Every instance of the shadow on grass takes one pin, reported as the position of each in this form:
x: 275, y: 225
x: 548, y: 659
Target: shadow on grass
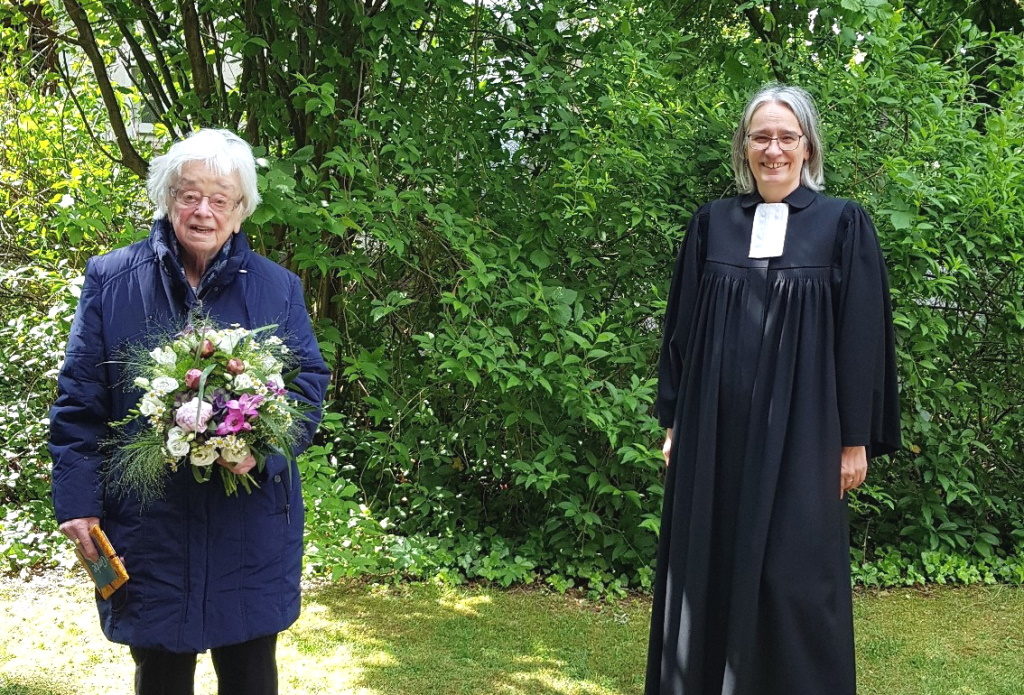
x: 32, y: 686
x: 428, y: 639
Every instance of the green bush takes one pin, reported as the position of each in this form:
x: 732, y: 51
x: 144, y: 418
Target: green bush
x: 484, y: 203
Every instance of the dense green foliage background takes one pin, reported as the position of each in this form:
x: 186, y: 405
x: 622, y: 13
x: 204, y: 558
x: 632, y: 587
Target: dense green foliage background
x: 483, y: 200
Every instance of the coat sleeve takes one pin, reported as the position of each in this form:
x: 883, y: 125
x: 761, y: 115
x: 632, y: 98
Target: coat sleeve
x: 866, y: 383
x: 310, y: 385
x: 79, y: 416
x: 682, y: 298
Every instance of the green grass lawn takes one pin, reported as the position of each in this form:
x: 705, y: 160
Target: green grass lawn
x: 422, y: 639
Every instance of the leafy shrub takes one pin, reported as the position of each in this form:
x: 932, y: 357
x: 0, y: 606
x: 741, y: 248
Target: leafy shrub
x: 483, y: 203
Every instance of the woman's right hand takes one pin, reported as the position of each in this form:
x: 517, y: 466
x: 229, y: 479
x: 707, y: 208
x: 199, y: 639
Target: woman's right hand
x: 78, y: 531
x: 240, y: 467
x: 666, y: 448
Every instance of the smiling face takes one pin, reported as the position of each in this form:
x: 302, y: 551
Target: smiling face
x: 201, y: 230
x: 776, y: 171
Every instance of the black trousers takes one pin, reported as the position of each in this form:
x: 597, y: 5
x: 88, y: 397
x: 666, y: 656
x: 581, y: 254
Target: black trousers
x: 248, y: 668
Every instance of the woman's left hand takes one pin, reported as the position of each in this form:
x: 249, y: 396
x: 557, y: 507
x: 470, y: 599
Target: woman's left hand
x: 240, y: 468
x: 854, y: 468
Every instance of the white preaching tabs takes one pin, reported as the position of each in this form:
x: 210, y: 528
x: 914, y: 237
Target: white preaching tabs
x: 768, y: 236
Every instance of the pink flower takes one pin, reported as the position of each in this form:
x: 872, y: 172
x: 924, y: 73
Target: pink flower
x: 192, y: 378
x: 240, y: 412
x: 233, y: 423
x: 249, y: 402
x: 236, y: 366
x: 193, y: 416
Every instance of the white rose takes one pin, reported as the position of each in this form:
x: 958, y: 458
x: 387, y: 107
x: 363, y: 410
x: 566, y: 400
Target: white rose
x: 164, y: 385
x: 176, y: 434
x: 177, y: 447
x: 141, y: 382
x: 203, y: 456
x: 151, y: 404
x: 164, y: 356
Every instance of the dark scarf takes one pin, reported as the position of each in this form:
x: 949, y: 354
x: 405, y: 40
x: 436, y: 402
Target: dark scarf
x: 219, y: 272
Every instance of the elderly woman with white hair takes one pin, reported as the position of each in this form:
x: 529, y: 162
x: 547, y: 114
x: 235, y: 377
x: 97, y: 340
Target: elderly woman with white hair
x: 777, y: 382
x: 208, y: 571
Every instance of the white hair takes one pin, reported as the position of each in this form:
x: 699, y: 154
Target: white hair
x: 221, y: 151
x: 812, y: 173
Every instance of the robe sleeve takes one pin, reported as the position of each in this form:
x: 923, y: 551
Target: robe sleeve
x: 682, y: 299
x: 78, y: 418
x: 865, y: 353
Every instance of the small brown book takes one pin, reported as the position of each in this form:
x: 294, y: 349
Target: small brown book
x: 108, y: 571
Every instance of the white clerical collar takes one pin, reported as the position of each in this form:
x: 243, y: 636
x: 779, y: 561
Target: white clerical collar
x: 768, y: 235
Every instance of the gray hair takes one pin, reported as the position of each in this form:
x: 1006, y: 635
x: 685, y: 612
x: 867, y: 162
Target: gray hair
x: 221, y: 151
x: 812, y: 173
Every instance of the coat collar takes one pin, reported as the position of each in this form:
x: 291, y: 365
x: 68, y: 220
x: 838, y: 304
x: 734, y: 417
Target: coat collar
x: 221, y: 270
x: 799, y: 199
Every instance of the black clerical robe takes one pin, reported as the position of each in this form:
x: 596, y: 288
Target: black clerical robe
x: 768, y: 368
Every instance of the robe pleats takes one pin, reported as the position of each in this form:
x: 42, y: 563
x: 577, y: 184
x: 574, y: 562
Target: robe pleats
x: 768, y: 368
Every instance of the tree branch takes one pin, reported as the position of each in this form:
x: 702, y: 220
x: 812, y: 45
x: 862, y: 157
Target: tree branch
x: 769, y: 41
x: 43, y: 27
x: 249, y: 69
x: 196, y: 56
x: 149, y: 25
x: 130, y: 157
x: 219, y: 88
x: 160, y: 102
x: 85, y: 119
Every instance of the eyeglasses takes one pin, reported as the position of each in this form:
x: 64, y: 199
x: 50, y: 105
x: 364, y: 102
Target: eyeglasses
x: 787, y: 141
x: 192, y: 199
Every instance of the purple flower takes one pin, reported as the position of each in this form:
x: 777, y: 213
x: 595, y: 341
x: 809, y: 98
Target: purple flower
x: 220, y: 400
x: 249, y: 402
x: 240, y: 412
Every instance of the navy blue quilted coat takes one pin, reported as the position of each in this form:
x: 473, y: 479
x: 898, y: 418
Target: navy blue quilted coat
x: 206, y: 570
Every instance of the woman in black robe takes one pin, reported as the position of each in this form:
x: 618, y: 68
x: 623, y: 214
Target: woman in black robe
x: 777, y: 382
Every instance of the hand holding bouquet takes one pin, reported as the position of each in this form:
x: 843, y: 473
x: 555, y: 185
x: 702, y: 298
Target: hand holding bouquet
x: 212, y: 395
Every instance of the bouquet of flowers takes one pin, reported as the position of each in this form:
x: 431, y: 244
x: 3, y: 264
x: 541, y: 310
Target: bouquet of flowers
x: 211, y: 395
